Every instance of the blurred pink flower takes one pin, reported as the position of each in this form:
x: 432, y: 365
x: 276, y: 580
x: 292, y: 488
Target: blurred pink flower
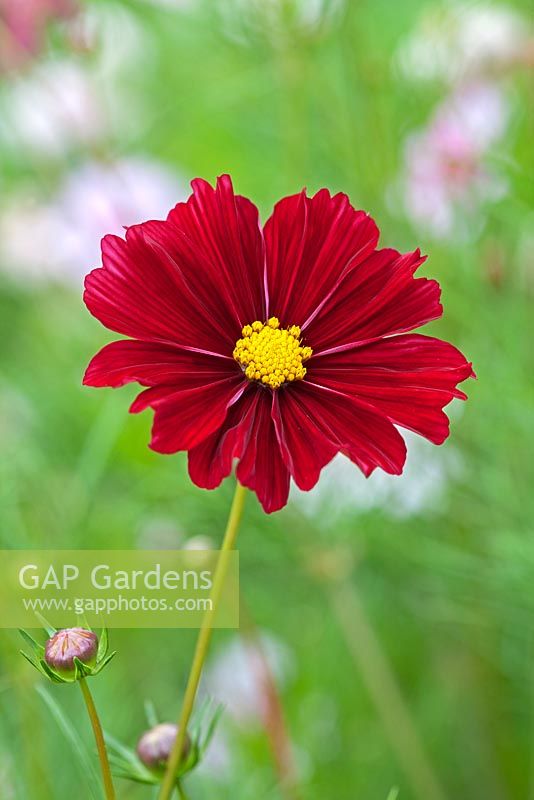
x: 23, y: 25
x: 95, y: 199
x: 446, y: 179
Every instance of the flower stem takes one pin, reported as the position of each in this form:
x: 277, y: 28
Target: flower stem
x: 380, y: 681
x: 181, y: 791
x: 99, y: 738
x: 203, y: 641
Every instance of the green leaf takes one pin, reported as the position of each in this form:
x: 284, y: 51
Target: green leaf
x: 100, y: 666
x: 51, y: 631
x: 190, y: 762
x: 81, y: 670
x: 92, y: 779
x: 118, y: 747
x: 81, y: 621
x: 125, y: 760
x: 36, y: 647
x: 149, y: 778
x: 199, y: 717
x: 210, y: 730
x: 32, y: 661
x: 50, y: 674
x: 151, y: 714
x: 103, y: 644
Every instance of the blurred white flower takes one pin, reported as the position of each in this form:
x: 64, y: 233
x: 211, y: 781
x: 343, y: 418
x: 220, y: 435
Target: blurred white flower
x: 235, y: 676
x: 218, y: 760
x: 461, y: 40
x: 344, y: 490
x: 95, y: 199
x: 74, y: 102
x: 172, y: 4
x: 277, y: 20
x: 114, y: 35
x: 50, y: 109
x: 199, y: 542
x: 160, y: 533
x: 446, y: 178
x: 28, y: 257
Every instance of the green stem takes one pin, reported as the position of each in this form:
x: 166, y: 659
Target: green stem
x: 203, y: 641
x: 382, y: 686
x: 181, y: 791
x: 99, y: 738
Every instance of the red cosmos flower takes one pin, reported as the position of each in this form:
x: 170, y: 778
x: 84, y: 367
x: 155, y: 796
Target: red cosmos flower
x: 277, y: 347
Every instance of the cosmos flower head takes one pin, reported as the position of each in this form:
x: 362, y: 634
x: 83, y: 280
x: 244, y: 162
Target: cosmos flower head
x: 278, y: 346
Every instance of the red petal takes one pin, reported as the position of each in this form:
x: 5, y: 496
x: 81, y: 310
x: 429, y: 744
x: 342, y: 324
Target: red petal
x: 193, y: 280
x: 311, y: 243
x: 184, y: 418
x: 407, y: 378
x: 139, y: 292
x: 223, y: 231
x: 379, y: 298
x: 305, y: 448
x: 261, y: 467
x: 354, y: 427
x: 152, y: 363
x: 211, y: 461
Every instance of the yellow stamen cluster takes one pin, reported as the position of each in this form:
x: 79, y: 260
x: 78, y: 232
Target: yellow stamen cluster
x: 270, y: 354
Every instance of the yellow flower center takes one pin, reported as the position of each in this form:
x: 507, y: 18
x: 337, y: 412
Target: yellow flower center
x: 270, y: 354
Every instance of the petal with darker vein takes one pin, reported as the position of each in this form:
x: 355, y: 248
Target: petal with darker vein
x: 140, y: 293
x: 184, y: 418
x: 311, y: 243
x: 211, y: 461
x: 407, y: 378
x: 261, y: 467
x: 367, y: 437
x: 153, y: 363
x: 379, y: 298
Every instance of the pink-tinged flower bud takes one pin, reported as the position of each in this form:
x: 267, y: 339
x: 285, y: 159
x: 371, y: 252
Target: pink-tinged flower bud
x: 66, y: 645
x: 154, y: 746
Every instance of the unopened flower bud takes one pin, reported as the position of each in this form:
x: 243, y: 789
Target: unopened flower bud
x: 68, y: 644
x: 154, y: 746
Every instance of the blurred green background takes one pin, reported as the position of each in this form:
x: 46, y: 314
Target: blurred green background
x: 425, y: 582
